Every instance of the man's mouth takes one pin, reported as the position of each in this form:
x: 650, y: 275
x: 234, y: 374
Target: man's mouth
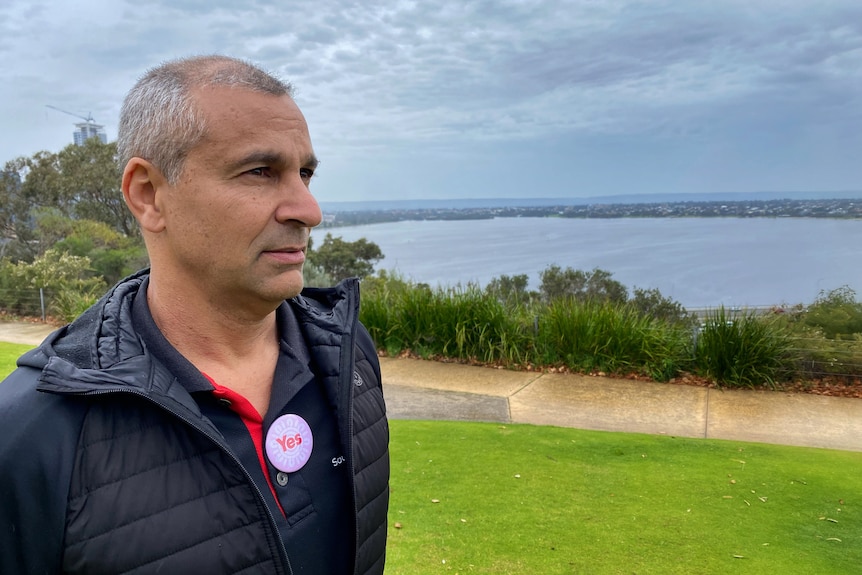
x: 287, y: 255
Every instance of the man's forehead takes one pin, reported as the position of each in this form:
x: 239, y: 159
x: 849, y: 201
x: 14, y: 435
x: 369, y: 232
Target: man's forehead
x: 230, y: 113
x: 220, y: 98
x: 239, y: 133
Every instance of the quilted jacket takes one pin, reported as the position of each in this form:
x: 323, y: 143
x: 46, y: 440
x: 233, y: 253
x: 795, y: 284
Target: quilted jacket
x: 108, y: 466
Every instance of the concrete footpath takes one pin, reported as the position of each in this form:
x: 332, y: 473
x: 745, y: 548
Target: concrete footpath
x: 417, y: 389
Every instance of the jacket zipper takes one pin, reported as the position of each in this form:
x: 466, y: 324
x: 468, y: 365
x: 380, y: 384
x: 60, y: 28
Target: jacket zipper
x: 347, y: 373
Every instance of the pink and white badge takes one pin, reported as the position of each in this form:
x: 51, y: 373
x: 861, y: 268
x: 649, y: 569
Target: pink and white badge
x: 289, y: 443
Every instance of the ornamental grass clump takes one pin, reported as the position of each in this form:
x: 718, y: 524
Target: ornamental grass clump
x: 603, y: 336
x: 459, y: 322
x: 484, y: 328
x: 398, y: 314
x: 743, y: 350
x: 380, y: 310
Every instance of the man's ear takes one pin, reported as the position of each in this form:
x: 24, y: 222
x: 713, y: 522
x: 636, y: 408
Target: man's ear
x: 143, y: 186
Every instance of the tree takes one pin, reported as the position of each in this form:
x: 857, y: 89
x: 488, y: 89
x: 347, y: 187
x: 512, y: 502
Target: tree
x: 340, y: 259
x: 112, y: 254
x: 21, y: 196
x: 67, y: 280
x: 595, y: 285
x: 314, y: 276
x: 509, y: 289
x: 80, y: 181
x: 88, y: 184
x: 652, y: 303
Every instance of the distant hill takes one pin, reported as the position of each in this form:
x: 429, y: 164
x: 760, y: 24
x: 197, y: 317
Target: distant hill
x: 473, y: 203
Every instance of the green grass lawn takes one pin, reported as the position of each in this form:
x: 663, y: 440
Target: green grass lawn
x: 491, y: 498
x: 520, y: 499
x: 9, y: 353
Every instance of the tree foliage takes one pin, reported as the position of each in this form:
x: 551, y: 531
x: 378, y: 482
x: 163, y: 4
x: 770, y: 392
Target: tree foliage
x: 89, y: 177
x: 652, y: 303
x: 596, y: 285
x: 68, y: 282
x: 20, y: 198
x: 54, y: 270
x: 314, y: 276
x: 836, y: 313
x: 339, y: 259
x: 76, y: 183
x: 510, y: 289
x: 112, y: 254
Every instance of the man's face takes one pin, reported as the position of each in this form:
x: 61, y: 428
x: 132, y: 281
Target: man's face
x: 237, y: 221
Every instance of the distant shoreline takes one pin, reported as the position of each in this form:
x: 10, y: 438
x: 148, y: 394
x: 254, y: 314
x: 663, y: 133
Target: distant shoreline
x: 845, y: 208
x: 700, y: 262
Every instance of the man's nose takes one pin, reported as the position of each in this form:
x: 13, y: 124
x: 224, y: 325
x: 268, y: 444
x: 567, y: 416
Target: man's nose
x: 299, y: 204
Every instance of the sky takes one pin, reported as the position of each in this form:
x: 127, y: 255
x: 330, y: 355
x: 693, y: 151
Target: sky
x: 484, y: 99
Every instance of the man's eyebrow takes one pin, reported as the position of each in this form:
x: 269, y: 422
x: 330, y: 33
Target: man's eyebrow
x: 311, y: 162
x: 264, y: 158
x: 257, y: 159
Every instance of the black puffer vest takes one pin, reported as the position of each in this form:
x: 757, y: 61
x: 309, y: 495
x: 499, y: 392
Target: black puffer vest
x: 150, y: 485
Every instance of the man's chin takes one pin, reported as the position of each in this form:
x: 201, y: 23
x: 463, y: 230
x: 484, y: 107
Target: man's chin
x: 290, y: 284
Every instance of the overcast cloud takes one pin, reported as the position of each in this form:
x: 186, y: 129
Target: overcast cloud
x: 504, y: 98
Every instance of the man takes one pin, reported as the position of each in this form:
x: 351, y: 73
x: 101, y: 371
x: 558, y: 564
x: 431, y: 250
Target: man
x: 203, y: 416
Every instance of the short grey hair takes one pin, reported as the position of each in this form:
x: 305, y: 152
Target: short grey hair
x: 160, y: 121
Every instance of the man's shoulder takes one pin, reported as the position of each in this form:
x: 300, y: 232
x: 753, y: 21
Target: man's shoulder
x: 37, y: 427
x: 19, y: 388
x: 21, y: 399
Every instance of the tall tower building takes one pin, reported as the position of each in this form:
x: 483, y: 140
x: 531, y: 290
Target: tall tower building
x: 86, y: 130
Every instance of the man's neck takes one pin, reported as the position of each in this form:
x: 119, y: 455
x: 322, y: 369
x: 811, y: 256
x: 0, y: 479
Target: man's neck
x: 237, y: 352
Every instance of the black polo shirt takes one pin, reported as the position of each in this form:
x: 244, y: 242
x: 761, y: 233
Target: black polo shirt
x: 312, y: 506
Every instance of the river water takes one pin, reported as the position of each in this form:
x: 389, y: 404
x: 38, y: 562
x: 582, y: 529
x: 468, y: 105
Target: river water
x: 699, y: 262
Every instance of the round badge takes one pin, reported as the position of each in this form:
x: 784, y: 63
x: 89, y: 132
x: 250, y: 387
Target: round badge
x: 289, y: 442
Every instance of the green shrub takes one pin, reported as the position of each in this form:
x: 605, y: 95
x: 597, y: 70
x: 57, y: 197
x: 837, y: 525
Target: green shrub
x: 486, y: 329
x: 381, y: 310
x: 836, y: 313
x: 314, y: 276
x: 595, y: 334
x: 602, y: 336
x: 819, y: 356
x: 510, y: 290
x: 744, y: 350
x: 460, y: 322
x: 651, y: 302
x: 17, y: 295
x: 64, y: 280
x: 70, y: 303
x: 598, y: 284
x: 340, y: 259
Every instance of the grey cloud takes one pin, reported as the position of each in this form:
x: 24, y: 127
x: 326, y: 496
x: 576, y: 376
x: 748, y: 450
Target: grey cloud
x: 400, y: 74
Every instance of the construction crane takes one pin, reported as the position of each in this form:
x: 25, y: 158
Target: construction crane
x: 86, y: 129
x: 89, y: 118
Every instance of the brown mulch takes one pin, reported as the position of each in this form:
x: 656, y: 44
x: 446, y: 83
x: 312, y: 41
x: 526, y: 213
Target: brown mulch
x: 834, y: 386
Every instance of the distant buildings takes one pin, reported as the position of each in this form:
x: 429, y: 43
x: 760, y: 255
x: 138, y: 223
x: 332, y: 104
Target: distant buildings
x: 822, y: 208
x: 86, y: 130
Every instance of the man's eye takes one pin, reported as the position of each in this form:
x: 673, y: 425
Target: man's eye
x: 306, y: 173
x: 262, y: 171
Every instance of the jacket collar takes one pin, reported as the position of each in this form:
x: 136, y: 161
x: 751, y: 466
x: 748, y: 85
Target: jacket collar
x: 100, y: 352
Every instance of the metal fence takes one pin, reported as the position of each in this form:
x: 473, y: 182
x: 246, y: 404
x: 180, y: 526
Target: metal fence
x: 33, y: 303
